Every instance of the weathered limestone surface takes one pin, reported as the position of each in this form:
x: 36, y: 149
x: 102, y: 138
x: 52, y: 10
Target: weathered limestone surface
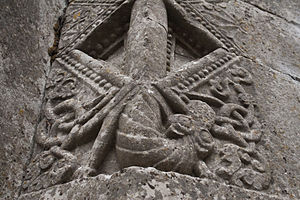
x: 288, y: 11
x: 26, y: 34
x: 146, y: 183
x: 281, y: 142
x: 280, y: 104
x: 267, y: 31
x: 273, y: 39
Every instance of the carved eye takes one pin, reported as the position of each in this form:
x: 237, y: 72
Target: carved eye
x: 180, y: 125
x: 241, y: 73
x: 219, y: 87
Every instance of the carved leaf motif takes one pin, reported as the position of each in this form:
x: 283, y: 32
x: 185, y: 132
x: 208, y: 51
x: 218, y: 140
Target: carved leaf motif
x: 236, y: 120
x: 153, y: 122
x: 49, y: 168
x: 243, y: 167
x: 60, y: 109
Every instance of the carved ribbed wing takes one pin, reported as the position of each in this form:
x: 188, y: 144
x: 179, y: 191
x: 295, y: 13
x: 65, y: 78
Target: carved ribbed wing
x: 196, y: 73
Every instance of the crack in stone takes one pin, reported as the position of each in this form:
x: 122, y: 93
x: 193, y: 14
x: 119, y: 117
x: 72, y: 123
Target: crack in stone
x: 149, y: 18
x: 158, y: 24
x: 53, y: 51
x: 294, y: 77
x: 43, y: 93
x: 272, y: 13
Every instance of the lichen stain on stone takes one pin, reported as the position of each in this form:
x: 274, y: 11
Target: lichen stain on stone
x: 75, y: 16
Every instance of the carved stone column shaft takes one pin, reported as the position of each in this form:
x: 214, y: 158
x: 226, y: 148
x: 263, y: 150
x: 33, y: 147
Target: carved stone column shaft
x: 147, y: 40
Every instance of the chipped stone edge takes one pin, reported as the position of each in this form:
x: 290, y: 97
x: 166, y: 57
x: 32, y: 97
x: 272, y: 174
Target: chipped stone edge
x: 110, y: 179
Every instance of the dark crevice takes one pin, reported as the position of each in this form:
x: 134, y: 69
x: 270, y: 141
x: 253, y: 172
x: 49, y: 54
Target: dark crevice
x: 52, y: 51
x: 271, y: 13
x: 107, y: 37
x: 295, y: 78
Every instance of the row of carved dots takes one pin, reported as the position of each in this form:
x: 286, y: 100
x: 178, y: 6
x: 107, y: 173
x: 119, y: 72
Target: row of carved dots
x: 204, y: 72
x: 98, y: 22
x: 209, y: 27
x: 98, y: 80
x: 169, y: 49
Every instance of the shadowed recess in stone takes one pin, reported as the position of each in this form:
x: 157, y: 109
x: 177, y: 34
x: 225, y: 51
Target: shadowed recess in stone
x: 109, y: 35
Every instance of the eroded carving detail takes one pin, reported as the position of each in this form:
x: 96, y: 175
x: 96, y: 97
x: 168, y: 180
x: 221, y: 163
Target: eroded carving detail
x: 84, y: 16
x: 215, y: 12
x: 200, y: 119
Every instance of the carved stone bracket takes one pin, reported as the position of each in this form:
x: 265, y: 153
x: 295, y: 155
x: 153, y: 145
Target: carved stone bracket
x: 151, y: 84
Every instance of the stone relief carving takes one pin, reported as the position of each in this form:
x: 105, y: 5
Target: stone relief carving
x: 128, y: 95
x: 84, y: 16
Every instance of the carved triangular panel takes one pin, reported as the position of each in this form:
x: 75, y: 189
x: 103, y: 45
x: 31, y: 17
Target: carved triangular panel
x: 83, y: 16
x: 109, y: 36
x: 152, y: 84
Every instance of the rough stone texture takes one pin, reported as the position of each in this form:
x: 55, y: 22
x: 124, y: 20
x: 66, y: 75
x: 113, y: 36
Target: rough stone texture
x: 261, y: 34
x: 175, y: 120
x: 282, y: 120
x: 268, y: 32
x: 146, y: 183
x: 281, y: 143
x: 26, y: 34
x: 288, y: 11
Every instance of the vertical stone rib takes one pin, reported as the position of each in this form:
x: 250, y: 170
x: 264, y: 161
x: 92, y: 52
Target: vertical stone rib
x: 147, y: 40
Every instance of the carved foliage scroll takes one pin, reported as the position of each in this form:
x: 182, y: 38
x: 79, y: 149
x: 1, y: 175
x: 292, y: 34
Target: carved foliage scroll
x: 199, y: 118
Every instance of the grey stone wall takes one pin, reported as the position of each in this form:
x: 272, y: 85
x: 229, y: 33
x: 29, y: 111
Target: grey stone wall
x: 26, y: 34
x: 267, y: 31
